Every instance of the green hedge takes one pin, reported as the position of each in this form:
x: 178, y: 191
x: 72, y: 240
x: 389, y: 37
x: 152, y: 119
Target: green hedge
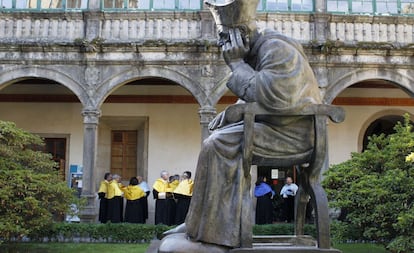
x: 133, y: 233
x: 91, y: 232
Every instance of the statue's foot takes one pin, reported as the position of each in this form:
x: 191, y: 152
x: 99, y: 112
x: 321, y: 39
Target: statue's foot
x: 178, y: 229
x: 180, y: 243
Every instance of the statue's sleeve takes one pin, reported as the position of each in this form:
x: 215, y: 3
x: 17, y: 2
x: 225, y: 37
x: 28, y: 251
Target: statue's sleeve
x: 243, y: 82
x: 282, y: 78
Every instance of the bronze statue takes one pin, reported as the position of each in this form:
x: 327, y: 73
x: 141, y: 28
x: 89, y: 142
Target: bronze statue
x: 272, y: 71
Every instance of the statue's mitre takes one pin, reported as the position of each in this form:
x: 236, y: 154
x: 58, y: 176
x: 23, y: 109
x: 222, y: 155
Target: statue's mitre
x: 234, y: 12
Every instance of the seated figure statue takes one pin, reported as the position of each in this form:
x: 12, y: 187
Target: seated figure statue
x: 267, y: 68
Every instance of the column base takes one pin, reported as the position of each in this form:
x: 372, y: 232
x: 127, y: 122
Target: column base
x: 88, y: 213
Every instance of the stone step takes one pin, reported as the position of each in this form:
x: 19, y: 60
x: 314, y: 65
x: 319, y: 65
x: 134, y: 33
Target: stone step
x: 274, y: 244
x: 287, y: 249
x: 302, y: 240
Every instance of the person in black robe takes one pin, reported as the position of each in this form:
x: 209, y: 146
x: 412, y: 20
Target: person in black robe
x: 115, y: 200
x: 183, y: 194
x: 103, y: 198
x: 264, y: 207
x: 161, y: 193
x: 134, y: 195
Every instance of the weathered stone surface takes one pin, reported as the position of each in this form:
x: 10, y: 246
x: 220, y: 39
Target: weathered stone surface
x: 180, y: 243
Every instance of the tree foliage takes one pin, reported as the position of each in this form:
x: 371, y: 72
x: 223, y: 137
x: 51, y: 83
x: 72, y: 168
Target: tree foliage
x: 32, y: 193
x: 376, y: 189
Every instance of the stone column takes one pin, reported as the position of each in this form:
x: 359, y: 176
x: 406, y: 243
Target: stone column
x: 321, y: 23
x: 90, y: 143
x: 207, y: 113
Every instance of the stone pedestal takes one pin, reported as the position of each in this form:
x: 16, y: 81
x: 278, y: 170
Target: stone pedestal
x: 179, y: 243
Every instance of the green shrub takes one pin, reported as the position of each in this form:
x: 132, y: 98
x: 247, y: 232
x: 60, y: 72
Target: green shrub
x: 32, y: 193
x: 375, y: 189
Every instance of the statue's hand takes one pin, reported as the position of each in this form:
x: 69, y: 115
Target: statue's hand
x: 216, y: 122
x: 232, y: 114
x: 236, y: 49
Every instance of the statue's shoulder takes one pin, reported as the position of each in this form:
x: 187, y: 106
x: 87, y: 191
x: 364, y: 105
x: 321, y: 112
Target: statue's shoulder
x: 272, y: 39
x: 272, y: 35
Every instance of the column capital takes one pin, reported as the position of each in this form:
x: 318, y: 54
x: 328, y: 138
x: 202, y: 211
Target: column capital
x: 207, y: 113
x: 91, y: 115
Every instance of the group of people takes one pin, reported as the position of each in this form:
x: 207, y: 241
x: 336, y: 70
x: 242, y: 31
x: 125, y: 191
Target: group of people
x: 172, y: 196
x: 265, y: 194
x: 112, y: 193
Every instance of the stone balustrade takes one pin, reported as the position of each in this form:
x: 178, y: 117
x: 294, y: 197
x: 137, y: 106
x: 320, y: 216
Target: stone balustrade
x: 138, y: 27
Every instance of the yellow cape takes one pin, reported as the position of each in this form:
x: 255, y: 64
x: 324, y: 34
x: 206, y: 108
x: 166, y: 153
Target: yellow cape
x: 185, y: 187
x: 113, y: 189
x: 133, y: 192
x: 160, y: 185
x: 103, y: 187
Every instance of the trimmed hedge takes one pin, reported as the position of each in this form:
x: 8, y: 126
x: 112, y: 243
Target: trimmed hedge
x: 92, y: 232
x: 134, y: 233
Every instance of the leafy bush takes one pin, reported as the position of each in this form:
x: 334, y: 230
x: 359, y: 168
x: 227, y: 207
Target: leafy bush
x: 404, y: 242
x: 375, y: 189
x: 32, y: 193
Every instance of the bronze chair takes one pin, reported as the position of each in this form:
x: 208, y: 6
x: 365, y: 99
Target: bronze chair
x: 312, y: 163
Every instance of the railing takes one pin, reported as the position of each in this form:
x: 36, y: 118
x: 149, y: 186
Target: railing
x: 139, y: 27
x: 369, y: 7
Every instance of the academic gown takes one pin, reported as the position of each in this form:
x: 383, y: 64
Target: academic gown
x: 133, y: 209
x: 103, y: 201
x: 162, y: 212
x: 183, y: 194
x: 115, y: 203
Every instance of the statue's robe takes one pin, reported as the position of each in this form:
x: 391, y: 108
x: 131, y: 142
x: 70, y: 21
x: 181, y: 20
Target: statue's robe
x: 276, y: 75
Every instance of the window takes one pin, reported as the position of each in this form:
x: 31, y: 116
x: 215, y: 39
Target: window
x: 302, y: 5
x: 276, y: 5
x: 57, y: 148
x: 338, y: 6
x: 387, y: 6
x: 376, y: 7
x: 189, y: 5
x: 164, y: 4
x: 407, y: 7
x: 285, y: 5
x: 124, y: 153
x: 44, y: 4
x: 111, y: 4
x: 362, y: 6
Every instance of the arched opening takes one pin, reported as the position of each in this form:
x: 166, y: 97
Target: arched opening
x: 366, y: 101
x: 36, y: 104
x: 147, y: 125
x: 384, y: 125
x: 51, y: 110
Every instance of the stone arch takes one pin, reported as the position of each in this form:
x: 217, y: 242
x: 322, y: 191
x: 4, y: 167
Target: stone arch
x: 21, y: 72
x: 190, y: 84
x: 220, y: 90
x: 402, y: 80
x: 375, y: 116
